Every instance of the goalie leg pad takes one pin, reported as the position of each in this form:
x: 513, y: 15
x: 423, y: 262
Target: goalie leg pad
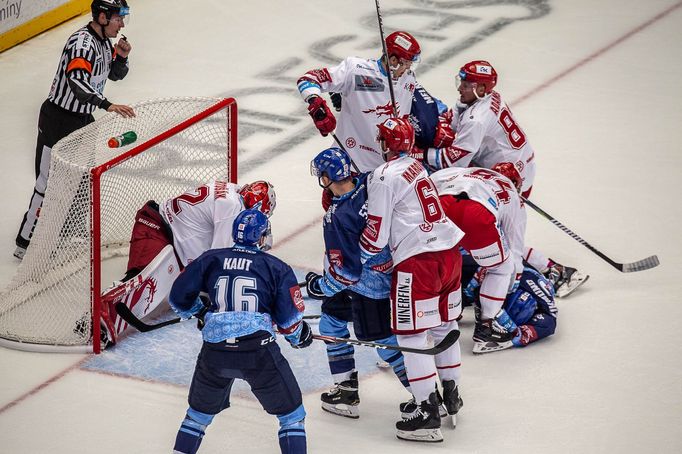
x: 150, y: 235
x: 144, y: 292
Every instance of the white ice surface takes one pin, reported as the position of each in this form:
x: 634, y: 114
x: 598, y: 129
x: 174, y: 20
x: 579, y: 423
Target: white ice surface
x: 607, y: 138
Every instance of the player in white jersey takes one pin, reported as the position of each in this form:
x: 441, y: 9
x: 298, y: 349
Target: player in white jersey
x: 487, y: 134
x: 167, y: 237
x: 197, y: 220
x: 404, y: 212
x: 486, y: 206
x: 363, y: 84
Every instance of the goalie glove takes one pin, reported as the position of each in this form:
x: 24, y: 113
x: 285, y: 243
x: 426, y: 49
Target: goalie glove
x: 444, y: 136
x: 323, y: 118
x: 312, y: 286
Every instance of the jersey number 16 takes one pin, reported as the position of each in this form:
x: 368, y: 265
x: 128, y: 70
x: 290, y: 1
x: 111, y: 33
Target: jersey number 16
x: 237, y: 296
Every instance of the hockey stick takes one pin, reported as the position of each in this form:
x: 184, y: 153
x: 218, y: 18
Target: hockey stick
x: 130, y: 318
x: 388, y: 68
x: 447, y: 342
x: 640, y: 265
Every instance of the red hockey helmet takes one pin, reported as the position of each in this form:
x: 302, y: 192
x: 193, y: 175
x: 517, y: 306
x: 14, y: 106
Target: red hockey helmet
x: 403, y: 45
x: 259, y: 195
x: 508, y: 170
x: 479, y: 72
x: 397, y: 134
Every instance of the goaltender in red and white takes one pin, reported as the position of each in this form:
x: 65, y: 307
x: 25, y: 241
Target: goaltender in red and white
x: 404, y: 212
x: 167, y: 236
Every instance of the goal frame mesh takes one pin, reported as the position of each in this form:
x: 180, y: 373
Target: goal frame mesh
x: 96, y: 173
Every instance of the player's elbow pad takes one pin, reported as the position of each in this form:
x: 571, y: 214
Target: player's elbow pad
x: 185, y: 312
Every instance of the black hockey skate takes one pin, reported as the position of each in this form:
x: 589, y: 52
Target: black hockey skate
x: 452, y: 401
x: 409, y: 407
x: 424, y: 424
x: 494, y: 334
x: 343, y: 399
x: 565, y: 279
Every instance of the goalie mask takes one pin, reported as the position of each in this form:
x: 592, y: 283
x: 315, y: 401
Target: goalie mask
x: 478, y: 72
x: 332, y: 162
x: 396, y: 135
x: 250, y: 227
x: 259, y: 195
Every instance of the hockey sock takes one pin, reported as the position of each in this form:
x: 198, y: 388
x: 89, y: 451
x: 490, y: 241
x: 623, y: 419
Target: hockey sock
x: 421, y: 369
x: 448, y: 363
x: 537, y: 259
x: 191, y: 432
x: 292, y: 438
x: 494, y: 289
x: 395, y: 359
x: 341, y: 357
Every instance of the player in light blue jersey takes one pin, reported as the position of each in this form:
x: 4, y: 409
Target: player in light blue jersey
x: 350, y: 292
x: 249, y: 291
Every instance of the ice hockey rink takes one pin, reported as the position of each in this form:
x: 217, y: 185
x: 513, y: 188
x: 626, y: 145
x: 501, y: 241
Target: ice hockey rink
x: 597, y: 87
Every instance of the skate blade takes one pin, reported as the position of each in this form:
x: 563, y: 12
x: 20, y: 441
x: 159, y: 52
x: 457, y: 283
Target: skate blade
x: 487, y: 347
x: 576, y: 281
x: 423, y: 435
x: 348, y: 411
x: 453, y: 421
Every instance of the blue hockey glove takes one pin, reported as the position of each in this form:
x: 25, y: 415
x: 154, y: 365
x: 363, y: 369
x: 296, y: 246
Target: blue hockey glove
x: 312, y: 286
x: 306, y: 336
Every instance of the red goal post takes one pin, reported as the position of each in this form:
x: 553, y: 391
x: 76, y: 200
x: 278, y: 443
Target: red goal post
x: 93, y: 194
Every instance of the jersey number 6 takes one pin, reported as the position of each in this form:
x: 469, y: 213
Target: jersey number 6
x: 428, y: 200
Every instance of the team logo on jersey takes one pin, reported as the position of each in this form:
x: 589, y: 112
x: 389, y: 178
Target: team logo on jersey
x: 384, y: 110
x: 373, y: 227
x: 297, y: 298
x: 350, y: 142
x: 454, y: 154
x: 320, y: 75
x: 368, y: 83
x: 336, y: 258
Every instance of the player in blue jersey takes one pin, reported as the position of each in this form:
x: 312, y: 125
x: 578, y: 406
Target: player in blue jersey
x: 531, y: 306
x: 350, y: 291
x: 249, y: 291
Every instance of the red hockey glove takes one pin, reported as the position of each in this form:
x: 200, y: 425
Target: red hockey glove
x: 322, y: 116
x: 444, y: 134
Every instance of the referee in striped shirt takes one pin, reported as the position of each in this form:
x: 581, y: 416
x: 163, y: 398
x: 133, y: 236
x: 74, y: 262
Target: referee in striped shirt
x: 87, y: 61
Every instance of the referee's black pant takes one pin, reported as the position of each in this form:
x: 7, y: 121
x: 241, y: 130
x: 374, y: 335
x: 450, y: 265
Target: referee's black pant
x: 54, y: 123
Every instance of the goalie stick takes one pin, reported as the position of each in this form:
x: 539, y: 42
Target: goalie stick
x: 130, y: 318
x: 640, y: 265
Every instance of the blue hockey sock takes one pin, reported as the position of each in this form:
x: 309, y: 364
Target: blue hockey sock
x: 395, y: 359
x: 191, y: 432
x: 292, y: 439
x: 341, y: 357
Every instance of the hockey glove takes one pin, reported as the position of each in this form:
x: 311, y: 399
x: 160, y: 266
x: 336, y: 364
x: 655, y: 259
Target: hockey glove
x: 444, y: 134
x: 323, y: 118
x: 202, y: 312
x: 312, y: 286
x: 336, y: 100
x: 306, y: 337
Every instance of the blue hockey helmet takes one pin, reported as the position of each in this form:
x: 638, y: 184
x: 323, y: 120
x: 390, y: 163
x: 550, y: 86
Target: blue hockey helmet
x: 249, y: 227
x: 333, y: 162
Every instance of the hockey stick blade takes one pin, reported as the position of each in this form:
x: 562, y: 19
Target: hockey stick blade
x: 447, y: 342
x: 132, y: 320
x: 640, y: 265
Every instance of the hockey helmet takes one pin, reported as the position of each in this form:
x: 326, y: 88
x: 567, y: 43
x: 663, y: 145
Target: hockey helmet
x: 508, y: 170
x: 478, y: 72
x: 397, y: 135
x: 109, y: 7
x: 333, y: 162
x: 249, y: 227
x: 259, y: 195
x: 404, y: 46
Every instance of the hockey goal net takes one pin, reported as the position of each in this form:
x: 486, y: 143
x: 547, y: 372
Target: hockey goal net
x: 93, y: 194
